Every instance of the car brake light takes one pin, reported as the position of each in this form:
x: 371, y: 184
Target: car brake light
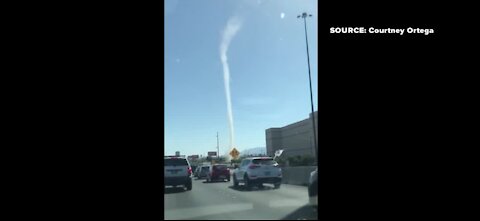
x: 189, y: 171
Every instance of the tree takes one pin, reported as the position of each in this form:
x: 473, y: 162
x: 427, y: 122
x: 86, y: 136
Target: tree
x: 281, y: 161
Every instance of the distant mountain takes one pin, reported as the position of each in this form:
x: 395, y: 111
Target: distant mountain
x: 254, y: 151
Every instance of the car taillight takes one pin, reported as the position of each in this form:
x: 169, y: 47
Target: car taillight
x: 189, y: 171
x: 253, y: 166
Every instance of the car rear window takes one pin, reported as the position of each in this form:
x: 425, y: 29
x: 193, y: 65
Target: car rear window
x: 175, y: 162
x: 264, y: 161
x: 220, y: 167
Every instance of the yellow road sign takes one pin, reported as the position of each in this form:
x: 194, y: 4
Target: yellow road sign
x: 234, y: 153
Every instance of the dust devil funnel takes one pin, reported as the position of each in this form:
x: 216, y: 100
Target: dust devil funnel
x: 233, y: 25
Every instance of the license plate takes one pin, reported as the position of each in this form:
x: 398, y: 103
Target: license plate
x: 267, y: 173
x: 173, y: 171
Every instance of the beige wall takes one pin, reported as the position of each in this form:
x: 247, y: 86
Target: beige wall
x: 295, y: 139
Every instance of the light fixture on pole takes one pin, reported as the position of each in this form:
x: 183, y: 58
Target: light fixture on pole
x: 304, y: 16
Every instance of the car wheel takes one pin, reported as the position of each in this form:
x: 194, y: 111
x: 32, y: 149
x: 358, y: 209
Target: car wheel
x: 235, y: 181
x: 277, y: 185
x: 189, y: 186
x: 247, y: 182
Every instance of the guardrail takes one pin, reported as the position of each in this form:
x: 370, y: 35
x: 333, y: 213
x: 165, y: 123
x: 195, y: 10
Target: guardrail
x: 297, y: 175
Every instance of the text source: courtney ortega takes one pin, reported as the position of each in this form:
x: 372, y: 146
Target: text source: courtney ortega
x: 372, y: 30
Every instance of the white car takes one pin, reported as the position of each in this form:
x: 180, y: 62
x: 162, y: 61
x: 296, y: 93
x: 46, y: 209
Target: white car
x: 177, y: 172
x: 313, y: 188
x: 256, y: 171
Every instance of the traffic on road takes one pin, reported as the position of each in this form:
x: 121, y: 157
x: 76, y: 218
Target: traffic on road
x: 218, y: 196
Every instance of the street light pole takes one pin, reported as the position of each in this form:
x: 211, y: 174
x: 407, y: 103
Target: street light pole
x: 218, y: 148
x: 304, y: 16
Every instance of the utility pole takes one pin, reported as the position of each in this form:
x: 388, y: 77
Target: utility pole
x: 218, y: 148
x: 304, y: 16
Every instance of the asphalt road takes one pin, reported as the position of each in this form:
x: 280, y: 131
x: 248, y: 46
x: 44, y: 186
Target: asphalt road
x: 221, y: 201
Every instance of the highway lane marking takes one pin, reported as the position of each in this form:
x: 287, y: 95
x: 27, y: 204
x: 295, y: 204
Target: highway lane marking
x: 189, y: 213
x: 284, y: 203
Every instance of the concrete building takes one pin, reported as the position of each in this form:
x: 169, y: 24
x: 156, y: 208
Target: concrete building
x: 295, y: 139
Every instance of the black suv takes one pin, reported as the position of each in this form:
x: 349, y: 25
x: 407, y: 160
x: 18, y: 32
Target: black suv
x: 177, y: 172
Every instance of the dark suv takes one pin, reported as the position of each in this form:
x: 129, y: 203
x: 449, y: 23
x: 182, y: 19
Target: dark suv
x: 218, y: 172
x: 177, y: 172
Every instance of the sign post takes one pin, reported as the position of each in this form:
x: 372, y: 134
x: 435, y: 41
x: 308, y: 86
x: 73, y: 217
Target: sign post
x: 278, y: 153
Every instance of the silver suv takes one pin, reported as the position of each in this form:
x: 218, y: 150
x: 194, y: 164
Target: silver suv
x: 256, y: 171
x: 177, y: 172
x: 313, y: 188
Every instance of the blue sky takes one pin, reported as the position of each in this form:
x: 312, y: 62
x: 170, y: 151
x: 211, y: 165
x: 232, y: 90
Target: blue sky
x: 268, y: 71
